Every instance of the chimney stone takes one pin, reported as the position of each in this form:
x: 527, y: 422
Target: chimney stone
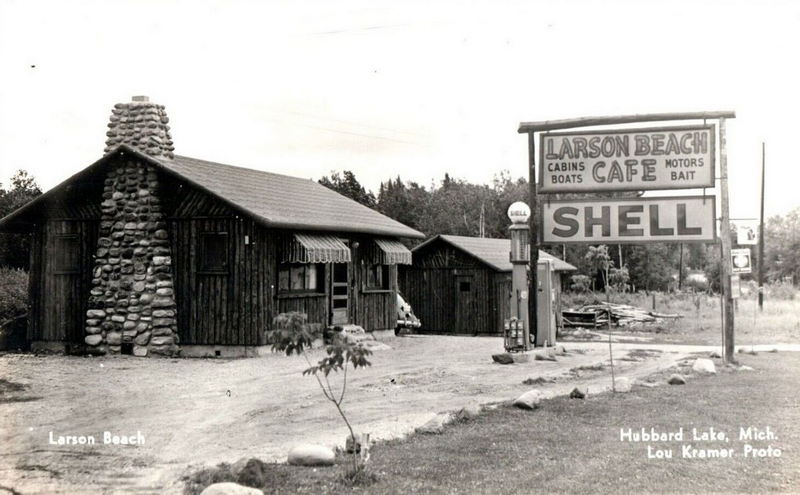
x: 142, y: 125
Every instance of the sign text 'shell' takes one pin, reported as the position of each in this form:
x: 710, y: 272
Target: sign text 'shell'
x: 597, y: 221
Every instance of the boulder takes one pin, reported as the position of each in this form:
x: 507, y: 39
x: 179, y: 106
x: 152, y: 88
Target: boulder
x: 504, y: 358
x: 93, y: 339
x: 139, y: 351
x: 545, y: 357
x: 114, y: 338
x: 528, y: 400
x: 436, y: 424
x: 744, y: 368
x: 229, y: 488
x: 676, y: 379
x: 469, y: 412
x: 311, y: 455
x: 704, y: 366
x: 714, y: 355
x: 623, y: 385
x: 579, y: 393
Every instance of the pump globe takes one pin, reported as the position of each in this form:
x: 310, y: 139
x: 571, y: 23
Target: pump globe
x: 519, y: 212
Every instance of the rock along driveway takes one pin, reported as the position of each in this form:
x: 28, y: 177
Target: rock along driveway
x: 206, y: 411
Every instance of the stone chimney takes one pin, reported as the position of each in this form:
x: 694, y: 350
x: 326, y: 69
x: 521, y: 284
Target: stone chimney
x: 141, y: 125
x: 132, y: 303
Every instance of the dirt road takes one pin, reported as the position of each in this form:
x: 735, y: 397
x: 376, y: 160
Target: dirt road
x: 206, y: 411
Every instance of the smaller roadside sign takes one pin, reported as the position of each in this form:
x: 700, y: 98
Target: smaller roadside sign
x: 746, y: 231
x: 741, y: 260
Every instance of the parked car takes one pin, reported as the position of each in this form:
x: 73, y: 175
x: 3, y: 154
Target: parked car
x: 407, y: 321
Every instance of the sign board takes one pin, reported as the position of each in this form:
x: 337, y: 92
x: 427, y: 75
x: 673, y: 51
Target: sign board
x: 627, y: 160
x: 626, y: 221
x: 746, y: 231
x: 740, y: 260
x: 736, y: 286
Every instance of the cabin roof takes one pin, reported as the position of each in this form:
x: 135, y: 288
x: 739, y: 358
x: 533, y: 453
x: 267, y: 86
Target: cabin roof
x: 493, y: 252
x: 278, y: 201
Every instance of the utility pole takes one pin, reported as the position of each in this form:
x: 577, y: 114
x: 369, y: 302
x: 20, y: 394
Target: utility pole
x: 725, y: 241
x: 680, y: 268
x: 533, y: 282
x: 761, y: 234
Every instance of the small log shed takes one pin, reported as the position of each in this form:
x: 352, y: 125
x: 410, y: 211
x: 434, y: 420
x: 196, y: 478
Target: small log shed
x: 147, y: 252
x: 462, y: 285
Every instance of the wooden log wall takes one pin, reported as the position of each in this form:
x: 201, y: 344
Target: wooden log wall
x: 372, y: 309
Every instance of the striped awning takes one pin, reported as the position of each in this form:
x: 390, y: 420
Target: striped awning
x: 314, y: 248
x: 391, y: 252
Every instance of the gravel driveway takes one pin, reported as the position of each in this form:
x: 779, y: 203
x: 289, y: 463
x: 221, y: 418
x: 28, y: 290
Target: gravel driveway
x: 205, y: 411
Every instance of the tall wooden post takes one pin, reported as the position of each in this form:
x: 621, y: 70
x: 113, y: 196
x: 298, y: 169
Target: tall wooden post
x: 761, y: 235
x: 533, y: 282
x: 725, y: 239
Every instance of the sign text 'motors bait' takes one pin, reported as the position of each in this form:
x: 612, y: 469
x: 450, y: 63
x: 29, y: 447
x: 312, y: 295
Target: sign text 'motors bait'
x: 632, y: 159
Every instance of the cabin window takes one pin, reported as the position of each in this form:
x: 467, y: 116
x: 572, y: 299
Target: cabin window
x: 378, y: 277
x: 296, y: 277
x: 67, y: 258
x: 214, y: 252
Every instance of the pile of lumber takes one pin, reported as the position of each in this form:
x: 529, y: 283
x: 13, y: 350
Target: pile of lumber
x: 597, y: 314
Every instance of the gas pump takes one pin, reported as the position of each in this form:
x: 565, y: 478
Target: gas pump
x: 517, y: 328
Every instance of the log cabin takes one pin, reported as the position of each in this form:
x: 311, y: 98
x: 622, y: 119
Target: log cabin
x: 462, y: 285
x: 146, y: 252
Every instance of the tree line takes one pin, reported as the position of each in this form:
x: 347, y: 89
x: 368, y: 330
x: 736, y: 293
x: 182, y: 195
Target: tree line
x: 457, y: 207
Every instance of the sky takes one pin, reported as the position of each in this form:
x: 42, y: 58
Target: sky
x: 415, y: 89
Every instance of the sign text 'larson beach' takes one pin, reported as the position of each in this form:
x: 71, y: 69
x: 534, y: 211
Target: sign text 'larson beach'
x: 629, y: 159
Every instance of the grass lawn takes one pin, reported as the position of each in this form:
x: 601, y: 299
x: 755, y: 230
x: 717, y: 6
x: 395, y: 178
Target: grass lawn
x: 574, y: 446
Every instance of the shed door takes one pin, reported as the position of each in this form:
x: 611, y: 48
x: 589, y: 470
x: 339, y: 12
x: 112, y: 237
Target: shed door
x: 465, y: 304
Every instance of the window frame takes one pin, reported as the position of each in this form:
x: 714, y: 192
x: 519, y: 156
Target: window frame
x: 385, y: 276
x: 286, y: 267
x: 61, y: 270
x: 202, y: 266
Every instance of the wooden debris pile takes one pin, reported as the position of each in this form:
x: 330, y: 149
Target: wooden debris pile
x: 597, y: 314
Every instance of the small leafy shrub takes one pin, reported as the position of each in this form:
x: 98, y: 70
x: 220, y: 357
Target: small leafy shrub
x: 293, y: 335
x: 13, y: 293
x: 580, y: 283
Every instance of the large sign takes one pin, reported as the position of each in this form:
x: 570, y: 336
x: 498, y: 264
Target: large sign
x: 626, y: 221
x: 629, y: 159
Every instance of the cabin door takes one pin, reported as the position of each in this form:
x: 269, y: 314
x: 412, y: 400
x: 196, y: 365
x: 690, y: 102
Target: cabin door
x: 69, y: 264
x: 340, y: 293
x: 464, y: 304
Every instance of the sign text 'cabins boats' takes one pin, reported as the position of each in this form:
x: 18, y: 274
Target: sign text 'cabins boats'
x: 627, y: 159
x: 635, y: 220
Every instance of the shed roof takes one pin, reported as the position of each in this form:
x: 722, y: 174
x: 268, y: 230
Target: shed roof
x: 493, y: 252
x: 278, y: 201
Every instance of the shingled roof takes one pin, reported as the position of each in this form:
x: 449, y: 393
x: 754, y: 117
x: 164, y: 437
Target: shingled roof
x: 493, y: 252
x: 277, y: 201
